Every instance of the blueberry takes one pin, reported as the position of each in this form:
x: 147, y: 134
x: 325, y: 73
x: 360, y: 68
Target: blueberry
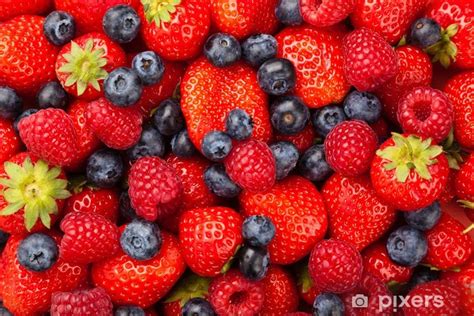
x: 253, y: 262
x: 425, y: 32
x: 239, y: 124
x: 286, y: 157
x: 37, y: 252
x: 52, y: 95
x: 288, y: 12
x: 59, y: 28
x: 127, y: 213
x: 181, y: 144
x: 3, y: 239
x: 216, y: 145
x: 222, y: 49
x: 26, y: 113
x: 123, y: 87
x: 362, y: 106
x: 168, y: 118
x: 197, y: 307
x: 141, y: 239
x: 10, y: 103
x: 219, y: 183
x: 325, y: 119
x: 276, y: 76
x: 328, y: 304
x: 129, y: 310
x: 313, y: 165
x: 4, y: 311
x: 258, y: 230
x: 422, y: 274
x: 151, y: 143
x: 149, y: 67
x: 407, y: 246
x: 105, y: 168
x: 289, y: 115
x: 259, y: 48
x: 424, y: 218
x: 121, y: 23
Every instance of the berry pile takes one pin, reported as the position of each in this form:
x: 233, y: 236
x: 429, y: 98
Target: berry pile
x: 236, y: 157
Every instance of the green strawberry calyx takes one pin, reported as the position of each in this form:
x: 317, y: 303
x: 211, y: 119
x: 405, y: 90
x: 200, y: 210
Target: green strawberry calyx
x: 33, y: 188
x: 84, y: 66
x: 410, y: 153
x: 159, y: 10
x: 304, y: 280
x: 445, y: 50
x: 190, y: 287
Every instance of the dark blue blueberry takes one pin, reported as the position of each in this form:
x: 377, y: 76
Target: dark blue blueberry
x: 239, y: 124
x: 141, y: 239
x: 59, y: 28
x: 424, y: 218
x: 286, y: 157
x: 258, y: 230
x: 129, y: 310
x: 105, y: 168
x: 407, y: 246
x: 289, y: 115
x: 253, y: 262
x: 121, y: 23
x: 4, y: 311
x: 422, y: 274
x: 26, y: 113
x: 425, y: 32
x: 216, y: 145
x: 123, y: 87
x: 3, y: 239
x: 127, y: 213
x: 10, y: 103
x: 313, y: 165
x: 288, y: 12
x: 37, y: 252
x: 325, y: 119
x: 362, y: 106
x: 149, y: 67
x: 181, y: 144
x: 197, y: 307
x: 151, y: 144
x: 52, y: 95
x: 168, y: 118
x: 219, y: 183
x: 222, y: 49
x: 259, y: 48
x: 328, y: 304
x: 277, y: 76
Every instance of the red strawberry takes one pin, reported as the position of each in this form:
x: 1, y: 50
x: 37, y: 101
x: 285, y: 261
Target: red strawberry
x: 445, y: 300
x: 463, y: 279
x: 320, y: 74
x: 302, y: 140
x: 409, y: 172
x: 364, y: 47
x: 350, y: 147
x: 414, y: 69
x: 209, y: 237
x: 86, y: 302
x: 463, y: 183
x: 307, y: 289
x: 9, y: 142
x: 11, y: 9
x: 176, y: 30
x: 103, y: 202
x: 50, y: 134
x: 26, y: 57
x: 449, y: 191
x: 117, y: 127
x: 83, y: 64
x: 356, y: 214
x: 281, y: 295
x: 297, y: 210
x: 448, y: 246
x: 326, y: 12
x: 143, y: 283
x: 154, y: 188
x: 210, y: 93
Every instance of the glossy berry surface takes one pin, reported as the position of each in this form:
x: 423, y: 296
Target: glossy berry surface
x: 59, y: 27
x: 286, y: 157
x: 216, y: 145
x: 121, y: 23
x: 151, y: 143
x: 239, y: 124
x: 253, y: 262
x: 276, y: 76
x: 325, y: 119
x: 52, y: 95
x: 218, y: 181
x: 288, y: 12
x: 259, y: 48
x: 258, y: 230
x: 407, y: 246
x: 10, y: 103
x: 123, y: 87
x: 313, y: 164
x: 168, y: 118
x: 362, y: 106
x: 141, y: 240
x: 37, y: 252
x: 425, y: 32
x: 181, y: 144
x: 222, y: 49
x: 425, y: 218
x: 289, y: 115
x: 328, y: 304
x: 197, y: 306
x: 105, y: 168
x: 149, y: 67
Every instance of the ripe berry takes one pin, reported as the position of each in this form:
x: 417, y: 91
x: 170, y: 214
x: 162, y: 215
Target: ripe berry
x: 129, y: 310
x: 286, y: 157
x: 86, y: 302
x: 123, y: 87
x: 313, y: 164
x: 141, y: 239
x: 127, y: 213
x: 253, y: 262
x: 222, y: 49
x: 168, y: 118
x: 277, y: 76
x: 425, y: 32
x: 181, y: 144
x: 216, y: 145
x: 239, y: 124
x: 150, y: 144
x: 149, y: 67
x: 218, y: 181
x: 447, y: 299
x: 325, y: 13
x: 10, y: 103
x: 424, y: 218
x: 24, y: 114
x: 363, y: 106
x: 105, y: 168
x: 59, y: 28
x: 288, y: 12
x: 328, y: 304
x: 258, y: 230
x: 259, y: 48
x: 325, y: 119
x: 423, y: 274
x: 37, y: 252
x: 3, y: 239
x: 197, y: 306
x: 121, y: 23
x: 407, y: 246
x: 289, y: 115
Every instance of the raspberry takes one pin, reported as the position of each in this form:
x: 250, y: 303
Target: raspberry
x: 88, y: 302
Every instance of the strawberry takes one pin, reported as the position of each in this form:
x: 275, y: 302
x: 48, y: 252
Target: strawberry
x: 302, y: 140
x: 26, y: 56
x: 86, y: 302
x: 356, y: 214
x: 297, y: 210
x: 177, y: 29
x: 210, y: 93
x: 209, y: 237
x: 365, y: 47
x: 460, y: 91
x: 448, y: 246
x: 83, y: 64
x: 189, y: 287
x: 323, y: 64
x: 103, y: 202
x: 391, y: 19
x: 409, y: 172
x: 463, y: 280
x: 463, y: 183
x: 50, y: 134
x: 281, y: 295
x: 414, y: 69
x: 449, y: 191
x: 9, y: 142
x: 11, y: 9
x: 143, y: 283
x: 326, y: 13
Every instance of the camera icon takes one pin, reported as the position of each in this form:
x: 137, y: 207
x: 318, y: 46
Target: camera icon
x: 360, y: 301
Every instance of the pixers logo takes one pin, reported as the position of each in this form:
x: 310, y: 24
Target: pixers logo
x: 396, y: 302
